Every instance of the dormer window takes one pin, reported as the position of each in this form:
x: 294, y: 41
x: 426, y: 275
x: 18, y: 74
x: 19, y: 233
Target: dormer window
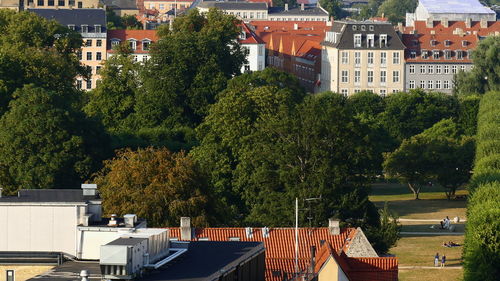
x: 433, y: 43
x: 413, y: 55
x: 370, y: 28
x: 383, y: 40
x: 424, y: 54
x: 363, y: 28
x: 71, y: 26
x: 132, y: 44
x: 435, y: 54
x: 447, y: 43
x: 145, y: 44
x: 97, y: 28
x: 447, y: 54
x: 354, y: 27
x: 469, y: 54
x: 85, y: 28
x: 464, y: 43
x: 370, y: 40
x: 460, y: 54
x: 115, y: 42
x: 415, y: 43
x: 357, y: 40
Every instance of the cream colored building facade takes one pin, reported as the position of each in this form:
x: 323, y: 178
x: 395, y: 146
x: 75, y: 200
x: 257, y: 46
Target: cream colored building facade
x: 358, y: 56
x: 163, y: 6
x: 60, y: 4
x: 93, y: 55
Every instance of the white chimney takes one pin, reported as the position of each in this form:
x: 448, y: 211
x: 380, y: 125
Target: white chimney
x: 302, y: 8
x: 249, y: 232
x: 286, y: 7
x: 89, y: 189
x: 186, y: 228
x: 112, y: 221
x: 130, y: 220
x: 265, y: 232
x: 334, y: 226
x: 295, y: 26
x: 484, y: 23
x: 468, y: 23
x: 445, y: 22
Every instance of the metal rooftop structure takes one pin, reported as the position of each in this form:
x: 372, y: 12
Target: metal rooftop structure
x: 455, y: 6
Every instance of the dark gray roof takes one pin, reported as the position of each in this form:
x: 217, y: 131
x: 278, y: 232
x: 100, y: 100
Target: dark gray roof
x: 70, y: 271
x: 126, y: 241
x: 346, y: 39
x: 314, y: 11
x: 77, y: 17
x: 121, y: 4
x: 47, y: 195
x: 232, y: 5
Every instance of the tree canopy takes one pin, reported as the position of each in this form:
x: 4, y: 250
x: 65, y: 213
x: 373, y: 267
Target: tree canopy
x: 395, y: 10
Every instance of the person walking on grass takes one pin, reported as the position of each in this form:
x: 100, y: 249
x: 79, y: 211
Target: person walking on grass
x: 443, y: 260
x: 436, y: 260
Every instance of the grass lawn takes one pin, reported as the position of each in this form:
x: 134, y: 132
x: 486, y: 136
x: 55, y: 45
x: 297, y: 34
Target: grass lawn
x: 420, y: 250
x: 423, y: 227
x: 433, y: 203
x: 430, y: 274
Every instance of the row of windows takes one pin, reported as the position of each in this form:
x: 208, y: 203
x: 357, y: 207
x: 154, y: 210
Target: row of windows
x: 382, y: 92
x: 172, y: 6
x: 97, y: 69
x: 437, y: 69
x: 298, y: 19
x: 84, y: 28
x: 370, y: 40
x: 249, y: 15
x: 430, y: 84
x: 133, y: 43
x: 447, y: 43
x: 357, y: 76
x: 396, y: 58
x: 59, y: 3
x: 88, y: 84
x: 446, y: 54
x: 98, y: 43
x: 89, y: 56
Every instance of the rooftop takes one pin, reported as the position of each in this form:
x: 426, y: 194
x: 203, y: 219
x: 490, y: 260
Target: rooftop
x: 455, y: 6
x: 48, y: 195
x: 76, y: 17
x: 121, y: 4
x: 233, y: 5
x: 308, y: 11
x: 126, y: 241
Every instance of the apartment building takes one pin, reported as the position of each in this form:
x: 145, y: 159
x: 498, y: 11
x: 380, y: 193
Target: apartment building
x: 245, y: 11
x: 138, y: 40
x: 254, y: 47
x: 164, y: 6
x: 91, y: 24
x: 362, y: 55
x: 300, y: 13
x: 59, y: 4
x: 438, y: 50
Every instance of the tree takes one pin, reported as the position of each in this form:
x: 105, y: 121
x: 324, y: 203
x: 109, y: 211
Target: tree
x: 387, y: 234
x: 333, y: 7
x: 45, y: 142
x: 124, y: 22
x: 395, y: 10
x: 189, y: 66
x: 155, y: 184
x: 467, y: 115
x: 281, y: 3
x: 408, y: 114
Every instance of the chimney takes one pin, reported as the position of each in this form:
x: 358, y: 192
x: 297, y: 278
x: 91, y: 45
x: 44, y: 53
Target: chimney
x: 89, y: 189
x: 295, y: 26
x: 334, y: 226
x: 186, y: 228
x: 468, y: 23
x: 286, y: 7
x: 400, y: 27
x: 484, y: 23
x: 302, y: 8
x: 313, y: 260
x: 445, y: 22
x: 429, y: 23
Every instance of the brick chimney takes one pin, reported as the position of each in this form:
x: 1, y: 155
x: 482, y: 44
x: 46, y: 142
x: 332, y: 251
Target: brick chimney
x: 186, y: 228
x: 334, y: 226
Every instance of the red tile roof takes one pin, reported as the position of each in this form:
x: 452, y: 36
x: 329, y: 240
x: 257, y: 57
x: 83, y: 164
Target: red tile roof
x: 280, y: 244
x: 251, y: 37
x: 138, y: 35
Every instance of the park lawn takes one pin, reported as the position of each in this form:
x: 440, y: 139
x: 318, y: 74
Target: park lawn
x: 410, y: 226
x: 430, y: 274
x: 420, y: 250
x: 433, y: 203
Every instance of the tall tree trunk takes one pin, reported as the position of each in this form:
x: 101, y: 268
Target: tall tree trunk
x: 416, y: 189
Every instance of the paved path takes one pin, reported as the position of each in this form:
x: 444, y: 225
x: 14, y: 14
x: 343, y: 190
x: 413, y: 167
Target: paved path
x: 433, y: 233
x: 461, y: 220
x: 428, y: 267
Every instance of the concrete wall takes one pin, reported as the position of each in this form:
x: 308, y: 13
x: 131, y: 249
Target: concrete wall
x: 90, y: 239
x: 38, y: 228
x: 256, y: 58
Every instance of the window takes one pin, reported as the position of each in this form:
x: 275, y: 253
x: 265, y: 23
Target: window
x: 60, y: 3
x: 424, y: 54
x: 438, y: 69
x: 78, y: 84
x: 435, y: 54
x: 460, y: 54
x: 383, y: 92
x: 363, y: 28
x: 438, y: 84
x: 85, y: 28
x: 422, y: 69
x: 383, y: 58
x: 430, y: 69
x: 446, y: 84
x: 133, y: 44
x: 50, y: 2
x: 71, y: 3
x: 344, y: 92
x: 357, y: 91
x: 447, y: 54
x: 98, y: 43
x: 383, y: 40
x: 370, y: 77
x: 162, y: 6
x: 71, y: 26
x: 430, y: 84
x: 97, y: 28
x: 98, y: 56
x: 260, y: 50
x: 462, y: 67
x: 40, y: 2
x: 370, y: 57
x: 151, y: 6
x: 354, y: 27
x: 247, y: 68
x: 145, y: 45
x: 371, y: 28
x: 345, y: 58
x: 88, y: 43
x: 447, y: 43
x: 413, y: 55
x: 80, y: 5
x: 135, y: 58
x: 454, y: 69
x: 357, y: 76
x: 464, y: 43
x: 383, y: 76
x: 89, y: 84
x: 89, y: 55
x: 144, y: 58
x: 395, y: 57
x: 412, y: 69
x: 395, y: 76
x: 357, y: 40
x: 79, y: 55
x: 422, y: 84
x: 345, y: 76
x: 97, y: 69
x: 433, y: 42
x: 357, y: 58
x: 115, y: 43
x: 370, y: 40
x: 446, y: 69
x: 412, y: 84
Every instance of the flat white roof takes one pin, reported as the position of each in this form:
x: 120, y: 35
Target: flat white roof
x: 455, y: 6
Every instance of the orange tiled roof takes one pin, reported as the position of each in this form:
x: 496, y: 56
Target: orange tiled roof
x: 251, y: 37
x: 139, y: 35
x: 279, y: 244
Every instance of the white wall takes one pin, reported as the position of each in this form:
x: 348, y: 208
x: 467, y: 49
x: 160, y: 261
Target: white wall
x: 256, y: 59
x: 38, y: 228
x: 91, y: 239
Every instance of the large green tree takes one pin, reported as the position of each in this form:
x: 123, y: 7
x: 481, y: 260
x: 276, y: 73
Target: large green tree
x: 46, y: 142
x: 333, y: 7
x: 395, y: 10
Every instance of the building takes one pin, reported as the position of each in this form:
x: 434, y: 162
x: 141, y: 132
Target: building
x: 301, y: 13
x: 11, y: 4
x: 364, y: 55
x: 437, y: 50
x: 294, y: 47
x: 138, y: 40
x: 280, y: 243
x: 59, y: 4
x: 254, y: 47
x: 164, y: 6
x: 450, y: 10
x: 122, y: 7
x: 91, y: 24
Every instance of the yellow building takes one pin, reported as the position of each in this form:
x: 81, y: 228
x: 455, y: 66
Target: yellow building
x: 163, y: 6
x: 59, y: 4
x: 358, y: 56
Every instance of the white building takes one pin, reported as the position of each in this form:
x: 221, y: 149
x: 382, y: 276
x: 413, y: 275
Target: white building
x: 450, y: 10
x: 255, y: 49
